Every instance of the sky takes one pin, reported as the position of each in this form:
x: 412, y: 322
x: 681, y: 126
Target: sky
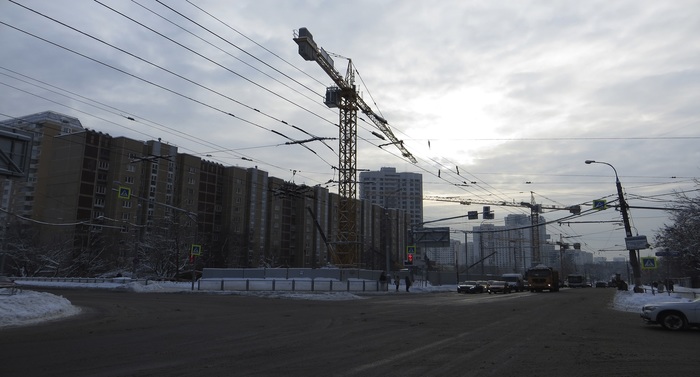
x: 497, y: 100
x: 30, y: 307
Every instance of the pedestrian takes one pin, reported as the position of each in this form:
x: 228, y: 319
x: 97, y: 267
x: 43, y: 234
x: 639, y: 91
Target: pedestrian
x: 382, y: 281
x: 408, y: 283
x: 397, y: 281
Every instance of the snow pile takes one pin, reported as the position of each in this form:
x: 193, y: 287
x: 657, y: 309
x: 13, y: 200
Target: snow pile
x: 629, y: 301
x: 27, y: 307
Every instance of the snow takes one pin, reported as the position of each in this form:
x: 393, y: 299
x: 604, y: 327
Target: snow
x: 29, y: 307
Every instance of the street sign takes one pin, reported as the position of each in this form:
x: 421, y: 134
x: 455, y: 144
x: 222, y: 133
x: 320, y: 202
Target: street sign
x: 124, y: 192
x: 432, y: 237
x: 636, y: 243
x: 648, y: 263
x: 667, y: 254
x: 196, y: 250
x: 600, y: 204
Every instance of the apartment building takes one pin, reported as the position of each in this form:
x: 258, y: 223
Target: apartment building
x: 390, y: 189
x: 142, y: 204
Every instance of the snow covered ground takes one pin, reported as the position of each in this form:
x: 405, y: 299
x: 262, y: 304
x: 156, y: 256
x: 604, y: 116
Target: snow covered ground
x: 28, y: 306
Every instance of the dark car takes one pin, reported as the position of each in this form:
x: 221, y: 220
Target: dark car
x: 470, y: 286
x: 601, y: 284
x: 498, y: 286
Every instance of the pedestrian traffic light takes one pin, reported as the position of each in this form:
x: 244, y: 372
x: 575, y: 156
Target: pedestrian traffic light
x: 410, y: 251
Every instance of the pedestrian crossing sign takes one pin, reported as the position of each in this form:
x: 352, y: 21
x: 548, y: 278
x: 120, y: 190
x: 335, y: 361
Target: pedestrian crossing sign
x: 648, y: 263
x: 124, y: 192
x: 196, y: 250
x: 600, y: 204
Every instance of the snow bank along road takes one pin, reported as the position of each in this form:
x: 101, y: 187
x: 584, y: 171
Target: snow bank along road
x: 572, y: 332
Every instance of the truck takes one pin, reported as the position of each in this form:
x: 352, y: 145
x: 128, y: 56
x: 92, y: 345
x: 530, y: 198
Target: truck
x: 542, y: 278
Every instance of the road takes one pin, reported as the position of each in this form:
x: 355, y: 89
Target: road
x: 569, y: 333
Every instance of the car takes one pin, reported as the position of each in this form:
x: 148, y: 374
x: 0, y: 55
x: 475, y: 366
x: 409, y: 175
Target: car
x: 673, y: 316
x: 601, y: 284
x: 470, y: 286
x: 498, y: 286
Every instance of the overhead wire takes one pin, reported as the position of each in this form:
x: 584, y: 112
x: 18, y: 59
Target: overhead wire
x: 169, y: 71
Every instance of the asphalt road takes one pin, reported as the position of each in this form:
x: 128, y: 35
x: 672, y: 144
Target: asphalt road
x: 569, y: 333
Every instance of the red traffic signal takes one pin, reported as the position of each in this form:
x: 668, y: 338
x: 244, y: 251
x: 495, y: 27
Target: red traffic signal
x: 409, y: 260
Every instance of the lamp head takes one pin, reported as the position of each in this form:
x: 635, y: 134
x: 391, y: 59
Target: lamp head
x: 589, y: 162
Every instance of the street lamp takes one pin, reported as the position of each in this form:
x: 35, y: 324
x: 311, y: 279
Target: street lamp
x: 634, y: 262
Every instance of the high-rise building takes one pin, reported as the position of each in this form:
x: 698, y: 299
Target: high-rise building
x: 22, y: 196
x: 390, y: 189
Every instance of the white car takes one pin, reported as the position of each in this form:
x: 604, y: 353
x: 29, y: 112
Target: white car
x: 673, y: 315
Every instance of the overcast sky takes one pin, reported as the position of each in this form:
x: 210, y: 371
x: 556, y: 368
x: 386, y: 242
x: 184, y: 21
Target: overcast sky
x: 511, y: 95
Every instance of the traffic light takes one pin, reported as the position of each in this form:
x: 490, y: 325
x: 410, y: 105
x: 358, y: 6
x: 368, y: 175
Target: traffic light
x: 473, y: 215
x: 410, y: 251
x: 488, y: 215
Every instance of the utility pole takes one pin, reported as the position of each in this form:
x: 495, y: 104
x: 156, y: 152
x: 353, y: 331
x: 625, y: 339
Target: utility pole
x: 634, y: 261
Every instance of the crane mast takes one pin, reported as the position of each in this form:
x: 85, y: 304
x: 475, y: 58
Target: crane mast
x: 344, y: 96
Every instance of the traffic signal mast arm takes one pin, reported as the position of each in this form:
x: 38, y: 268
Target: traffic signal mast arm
x: 311, y: 52
x: 539, y: 207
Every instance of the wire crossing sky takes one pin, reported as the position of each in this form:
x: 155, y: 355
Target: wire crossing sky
x: 498, y: 101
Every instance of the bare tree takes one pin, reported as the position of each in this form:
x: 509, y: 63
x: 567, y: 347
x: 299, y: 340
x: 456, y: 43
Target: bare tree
x: 683, y: 234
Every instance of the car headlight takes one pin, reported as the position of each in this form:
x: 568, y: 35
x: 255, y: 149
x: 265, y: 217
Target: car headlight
x: 648, y: 308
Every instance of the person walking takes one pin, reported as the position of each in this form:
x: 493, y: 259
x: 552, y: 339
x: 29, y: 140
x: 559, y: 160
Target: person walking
x: 408, y: 283
x: 382, y: 281
x: 397, y: 281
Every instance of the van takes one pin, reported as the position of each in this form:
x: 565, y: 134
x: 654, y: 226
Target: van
x: 515, y: 281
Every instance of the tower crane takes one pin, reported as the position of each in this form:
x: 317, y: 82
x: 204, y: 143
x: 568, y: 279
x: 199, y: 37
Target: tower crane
x: 535, y: 211
x: 344, y: 96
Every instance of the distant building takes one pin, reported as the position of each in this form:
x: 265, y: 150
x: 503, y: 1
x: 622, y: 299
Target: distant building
x: 445, y: 256
x: 503, y: 249
x: 390, y: 189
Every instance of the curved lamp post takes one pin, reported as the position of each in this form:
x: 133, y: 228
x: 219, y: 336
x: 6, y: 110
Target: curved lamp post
x: 634, y: 262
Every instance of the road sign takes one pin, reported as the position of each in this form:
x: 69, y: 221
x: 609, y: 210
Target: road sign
x: 124, y: 192
x: 196, y: 250
x: 600, y: 204
x: 667, y: 254
x: 648, y: 263
x: 432, y: 237
x: 636, y: 243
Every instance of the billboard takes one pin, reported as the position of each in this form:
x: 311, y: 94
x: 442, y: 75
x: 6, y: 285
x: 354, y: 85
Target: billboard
x: 15, y: 151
